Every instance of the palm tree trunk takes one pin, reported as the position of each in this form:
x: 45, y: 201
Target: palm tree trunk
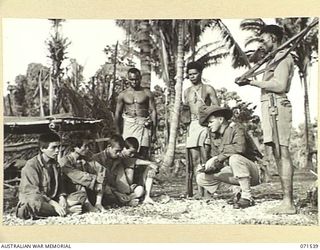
x: 145, y: 52
x: 169, y: 156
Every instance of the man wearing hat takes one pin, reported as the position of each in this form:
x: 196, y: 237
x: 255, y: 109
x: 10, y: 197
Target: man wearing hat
x: 234, y: 163
x: 276, y: 111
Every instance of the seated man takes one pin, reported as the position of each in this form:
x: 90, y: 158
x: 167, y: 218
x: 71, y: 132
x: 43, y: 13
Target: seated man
x: 235, y: 162
x: 138, y: 172
x: 41, y: 191
x: 113, y: 172
x: 79, y: 174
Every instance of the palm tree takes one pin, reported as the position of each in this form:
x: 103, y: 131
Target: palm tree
x: 304, y: 55
x: 169, y: 156
x: 57, y: 46
x: 138, y: 33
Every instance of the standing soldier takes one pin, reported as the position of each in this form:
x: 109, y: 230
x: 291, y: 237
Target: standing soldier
x: 137, y: 107
x: 276, y: 111
x: 197, y: 95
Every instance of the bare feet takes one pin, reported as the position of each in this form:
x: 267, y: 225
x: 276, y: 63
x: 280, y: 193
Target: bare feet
x: 283, y: 209
x: 133, y: 203
x: 148, y: 200
x: 76, y: 209
x: 89, y: 208
x: 100, y: 208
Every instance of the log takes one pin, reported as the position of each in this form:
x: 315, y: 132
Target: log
x: 16, y: 147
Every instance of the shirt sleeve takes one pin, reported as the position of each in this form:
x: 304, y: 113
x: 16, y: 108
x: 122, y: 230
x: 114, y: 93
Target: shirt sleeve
x: 61, y: 184
x: 237, y: 145
x: 279, y: 82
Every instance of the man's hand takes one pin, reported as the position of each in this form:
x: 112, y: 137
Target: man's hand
x: 98, y: 187
x: 100, y: 178
x: 63, y: 201
x: 242, y: 82
x: 58, y: 208
x: 154, y: 167
x: 210, y: 162
x: 200, y: 168
x: 213, y: 166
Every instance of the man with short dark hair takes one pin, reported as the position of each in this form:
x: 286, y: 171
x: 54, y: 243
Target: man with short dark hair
x: 276, y: 111
x: 137, y: 107
x: 139, y: 172
x: 234, y: 164
x: 80, y: 174
x: 197, y: 95
x: 41, y: 191
x: 113, y: 171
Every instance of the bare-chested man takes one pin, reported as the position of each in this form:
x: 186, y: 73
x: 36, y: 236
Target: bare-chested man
x: 137, y: 107
x: 195, y: 96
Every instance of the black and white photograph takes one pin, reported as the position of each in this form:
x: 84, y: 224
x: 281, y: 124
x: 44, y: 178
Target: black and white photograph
x: 160, y: 121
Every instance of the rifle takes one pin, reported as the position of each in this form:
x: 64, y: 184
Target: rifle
x: 273, y: 111
x: 296, y: 39
x: 189, y: 175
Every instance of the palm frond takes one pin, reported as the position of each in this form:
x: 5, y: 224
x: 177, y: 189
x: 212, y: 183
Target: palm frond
x: 212, y: 59
x: 252, y: 39
x: 254, y: 25
x: 239, y: 58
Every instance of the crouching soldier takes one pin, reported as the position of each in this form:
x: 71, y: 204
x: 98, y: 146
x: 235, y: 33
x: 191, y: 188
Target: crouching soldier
x: 41, y: 191
x: 234, y: 163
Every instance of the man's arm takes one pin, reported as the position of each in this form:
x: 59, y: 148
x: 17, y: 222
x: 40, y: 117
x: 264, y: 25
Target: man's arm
x: 185, y: 96
x: 77, y: 176
x: 213, y: 96
x: 118, y: 112
x: 236, y: 146
x: 279, y: 82
x: 129, y: 172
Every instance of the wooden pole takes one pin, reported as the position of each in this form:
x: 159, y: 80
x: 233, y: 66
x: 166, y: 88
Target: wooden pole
x: 50, y: 94
x: 114, y: 68
x: 40, y: 94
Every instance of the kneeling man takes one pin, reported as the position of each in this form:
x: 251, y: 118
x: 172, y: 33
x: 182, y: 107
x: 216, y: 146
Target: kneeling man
x: 235, y: 162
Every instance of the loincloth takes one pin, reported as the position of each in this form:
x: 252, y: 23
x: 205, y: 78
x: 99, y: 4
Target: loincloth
x: 284, y: 119
x: 135, y: 127
x: 196, y: 135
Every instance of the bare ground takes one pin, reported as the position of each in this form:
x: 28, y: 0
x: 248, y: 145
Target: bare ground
x: 173, y: 208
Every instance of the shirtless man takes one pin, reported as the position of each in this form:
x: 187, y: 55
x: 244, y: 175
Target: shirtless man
x: 195, y: 96
x: 137, y: 107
